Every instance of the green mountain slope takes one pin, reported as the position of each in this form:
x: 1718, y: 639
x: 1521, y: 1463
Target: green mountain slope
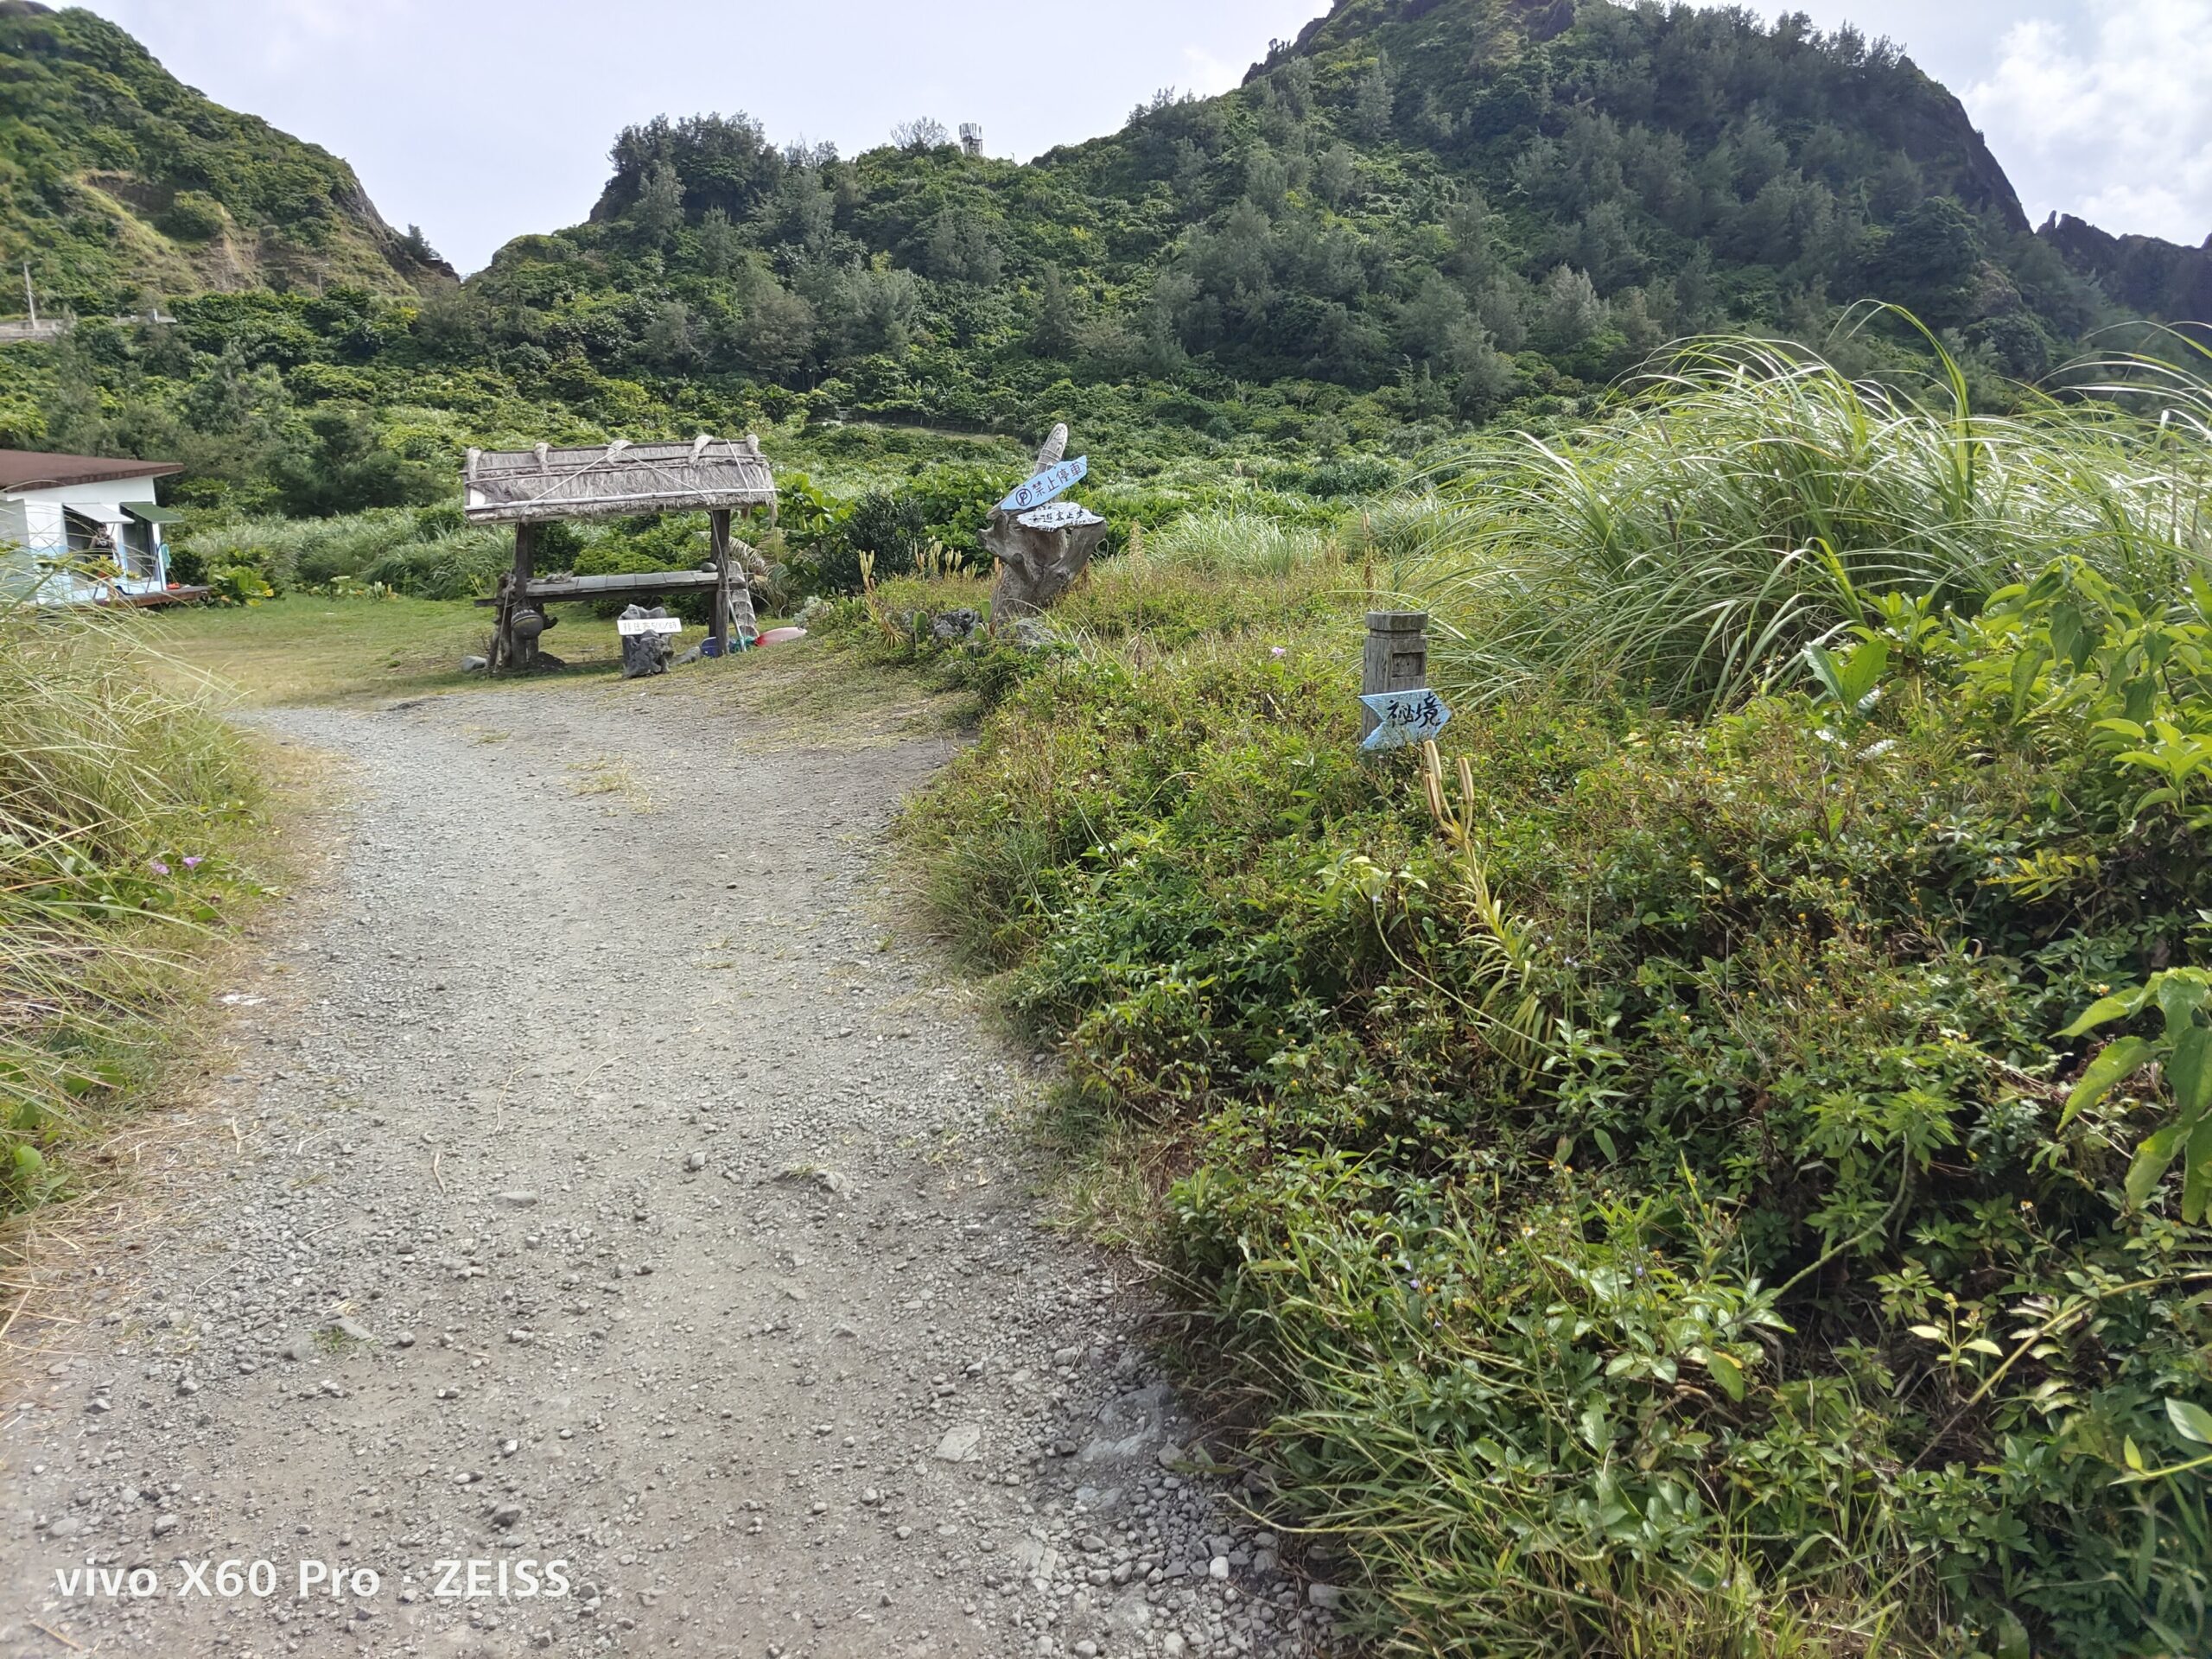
x: 117, y: 180
x: 1419, y: 215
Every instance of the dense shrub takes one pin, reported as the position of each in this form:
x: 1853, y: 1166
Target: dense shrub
x: 427, y: 553
x: 889, y: 529
x: 1652, y: 1175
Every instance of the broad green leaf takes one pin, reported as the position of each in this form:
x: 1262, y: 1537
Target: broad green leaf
x: 2192, y: 1422
x: 1864, y: 671
x: 1984, y: 1345
x: 1826, y: 670
x: 1727, y: 1374
x: 2133, y: 1454
x: 2197, y: 1173
x: 2025, y: 667
x: 2152, y: 1159
x: 2189, y: 1070
x: 2180, y: 994
x: 2118, y: 1006
x: 2065, y: 631
x: 2114, y: 1064
x: 2128, y: 728
x: 1928, y: 1331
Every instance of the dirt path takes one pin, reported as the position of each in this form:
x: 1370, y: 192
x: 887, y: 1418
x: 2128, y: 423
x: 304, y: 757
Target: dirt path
x: 600, y: 1184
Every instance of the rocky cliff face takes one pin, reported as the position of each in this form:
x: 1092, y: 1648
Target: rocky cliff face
x: 2142, y: 274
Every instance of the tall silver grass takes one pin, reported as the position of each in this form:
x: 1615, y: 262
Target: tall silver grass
x: 104, y: 779
x: 1734, y: 506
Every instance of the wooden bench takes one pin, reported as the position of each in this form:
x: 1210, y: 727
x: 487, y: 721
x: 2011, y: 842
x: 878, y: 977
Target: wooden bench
x: 546, y: 589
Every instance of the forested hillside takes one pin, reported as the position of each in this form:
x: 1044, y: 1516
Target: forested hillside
x: 119, y: 183
x: 1421, y: 214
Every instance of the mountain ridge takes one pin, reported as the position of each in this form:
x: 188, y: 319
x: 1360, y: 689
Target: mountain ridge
x: 1421, y: 215
x: 117, y: 180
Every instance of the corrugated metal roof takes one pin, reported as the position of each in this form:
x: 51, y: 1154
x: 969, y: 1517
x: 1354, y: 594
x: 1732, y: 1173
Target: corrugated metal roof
x: 533, y: 486
x: 32, y: 469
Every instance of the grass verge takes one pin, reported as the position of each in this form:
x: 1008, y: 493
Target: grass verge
x: 128, y: 817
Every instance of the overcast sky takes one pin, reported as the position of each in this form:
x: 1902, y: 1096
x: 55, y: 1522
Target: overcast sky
x: 482, y: 119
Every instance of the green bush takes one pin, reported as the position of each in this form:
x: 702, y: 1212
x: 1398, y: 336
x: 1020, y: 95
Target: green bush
x: 1225, y: 540
x: 427, y: 553
x: 677, y: 541
x: 890, y: 530
x: 194, y: 216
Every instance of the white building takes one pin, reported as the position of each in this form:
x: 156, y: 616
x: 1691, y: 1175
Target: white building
x: 77, y: 530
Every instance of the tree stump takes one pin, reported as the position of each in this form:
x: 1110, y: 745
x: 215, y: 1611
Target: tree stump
x: 1035, y: 567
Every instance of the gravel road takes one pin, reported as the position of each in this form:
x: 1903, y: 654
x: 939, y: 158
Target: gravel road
x: 601, y: 1182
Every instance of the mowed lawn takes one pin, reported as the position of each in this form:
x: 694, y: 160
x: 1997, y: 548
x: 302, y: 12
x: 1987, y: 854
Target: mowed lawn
x: 305, y: 648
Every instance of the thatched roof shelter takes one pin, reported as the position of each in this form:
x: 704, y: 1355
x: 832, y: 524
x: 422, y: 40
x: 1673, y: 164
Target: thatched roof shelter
x: 519, y: 487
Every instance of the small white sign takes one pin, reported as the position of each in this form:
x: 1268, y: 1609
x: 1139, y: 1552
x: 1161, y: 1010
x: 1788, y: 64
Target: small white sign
x: 648, y: 625
x: 1415, y: 716
x: 1041, y: 487
x: 1060, y: 515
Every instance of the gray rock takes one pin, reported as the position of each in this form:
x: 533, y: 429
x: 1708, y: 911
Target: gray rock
x: 955, y: 628
x: 474, y: 665
x: 961, y: 1444
x: 1325, y: 1595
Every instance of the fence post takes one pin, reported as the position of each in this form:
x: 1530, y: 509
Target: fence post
x: 1397, y: 658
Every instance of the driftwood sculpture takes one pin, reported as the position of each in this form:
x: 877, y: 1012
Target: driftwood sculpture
x: 644, y: 653
x: 1042, y: 552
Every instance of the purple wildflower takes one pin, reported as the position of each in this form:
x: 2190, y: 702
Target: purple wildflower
x: 192, y: 861
x: 158, y: 868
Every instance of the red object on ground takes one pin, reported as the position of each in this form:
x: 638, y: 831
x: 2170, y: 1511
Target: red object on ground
x: 781, y: 636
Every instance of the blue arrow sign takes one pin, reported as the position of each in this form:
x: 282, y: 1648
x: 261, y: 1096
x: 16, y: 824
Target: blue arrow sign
x: 1415, y: 716
x: 1036, y: 490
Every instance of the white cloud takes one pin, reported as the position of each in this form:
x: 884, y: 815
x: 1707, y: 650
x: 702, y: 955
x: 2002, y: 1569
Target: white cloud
x: 1206, y: 75
x: 2105, y: 116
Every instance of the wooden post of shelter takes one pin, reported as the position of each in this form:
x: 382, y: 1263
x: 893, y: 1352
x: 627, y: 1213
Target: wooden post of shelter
x: 718, y: 626
x: 515, y: 644
x: 1397, y: 658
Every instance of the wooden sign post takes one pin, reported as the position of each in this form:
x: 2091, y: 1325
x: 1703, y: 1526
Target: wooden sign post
x: 1396, y: 659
